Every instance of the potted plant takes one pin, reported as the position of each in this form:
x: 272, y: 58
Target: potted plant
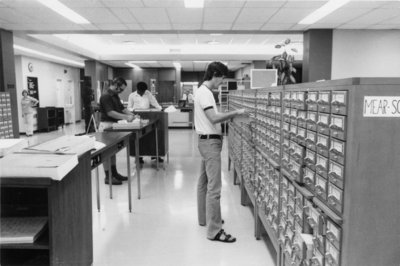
x: 284, y: 63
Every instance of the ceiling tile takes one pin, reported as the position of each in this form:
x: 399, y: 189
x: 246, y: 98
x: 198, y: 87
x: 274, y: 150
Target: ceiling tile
x: 224, y: 3
x: 107, y: 26
x: 187, y: 26
x: 217, y: 26
x: 220, y: 15
x: 375, y: 16
x: 98, y: 15
x: 183, y: 15
x: 341, y: 16
x: 133, y: 26
x: 394, y: 20
x: 163, y: 3
x: 261, y: 3
x: 385, y: 26
x: 82, y: 3
x: 278, y: 26
x: 150, y: 15
x: 255, y: 15
x: 289, y: 15
x: 305, y: 4
x: 247, y: 26
x: 123, y: 15
x: 352, y: 26
x: 123, y: 3
x: 364, y: 4
x: 157, y: 26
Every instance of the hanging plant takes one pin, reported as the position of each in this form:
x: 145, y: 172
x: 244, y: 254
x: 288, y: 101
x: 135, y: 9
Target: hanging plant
x: 283, y: 63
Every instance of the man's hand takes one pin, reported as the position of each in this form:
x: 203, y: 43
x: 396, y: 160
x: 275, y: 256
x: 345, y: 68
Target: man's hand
x: 130, y: 118
x: 241, y: 112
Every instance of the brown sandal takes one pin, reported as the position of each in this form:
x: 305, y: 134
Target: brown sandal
x: 223, y: 237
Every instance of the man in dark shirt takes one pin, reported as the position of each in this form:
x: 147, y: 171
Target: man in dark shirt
x: 112, y: 110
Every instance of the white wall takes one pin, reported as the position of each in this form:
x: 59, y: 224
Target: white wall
x: 47, y: 73
x: 365, y: 53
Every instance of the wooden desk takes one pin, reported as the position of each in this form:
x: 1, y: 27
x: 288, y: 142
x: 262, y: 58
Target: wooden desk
x: 137, y: 134
x: 68, y: 239
x: 114, y: 142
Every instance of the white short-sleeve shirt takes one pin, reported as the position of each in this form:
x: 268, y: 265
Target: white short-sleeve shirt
x: 203, y: 100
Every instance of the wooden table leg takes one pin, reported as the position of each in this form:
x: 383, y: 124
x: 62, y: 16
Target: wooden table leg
x: 109, y: 177
x: 157, y: 148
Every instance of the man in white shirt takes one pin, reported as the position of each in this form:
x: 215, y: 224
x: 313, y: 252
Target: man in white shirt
x: 141, y: 99
x: 207, y: 122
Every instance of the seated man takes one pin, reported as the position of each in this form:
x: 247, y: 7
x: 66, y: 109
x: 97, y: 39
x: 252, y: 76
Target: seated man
x: 141, y: 99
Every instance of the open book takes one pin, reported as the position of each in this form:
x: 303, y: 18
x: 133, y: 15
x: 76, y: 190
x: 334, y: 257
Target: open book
x: 21, y: 230
x: 54, y: 166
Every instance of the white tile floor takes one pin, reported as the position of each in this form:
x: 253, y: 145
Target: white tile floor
x: 162, y: 228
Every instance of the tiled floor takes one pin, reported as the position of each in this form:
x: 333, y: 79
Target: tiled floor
x: 162, y: 228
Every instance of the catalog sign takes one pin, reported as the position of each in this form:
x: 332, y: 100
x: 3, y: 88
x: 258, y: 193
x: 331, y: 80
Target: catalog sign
x: 381, y: 106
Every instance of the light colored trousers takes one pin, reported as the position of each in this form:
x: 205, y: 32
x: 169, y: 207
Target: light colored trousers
x: 209, y: 186
x: 28, y: 121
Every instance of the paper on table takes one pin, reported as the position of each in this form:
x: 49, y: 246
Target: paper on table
x: 99, y: 145
x: 54, y: 166
x: 66, y: 144
x: 170, y: 109
x: 11, y: 145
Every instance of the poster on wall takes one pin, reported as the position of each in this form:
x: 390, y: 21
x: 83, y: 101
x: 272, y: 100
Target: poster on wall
x: 33, y: 88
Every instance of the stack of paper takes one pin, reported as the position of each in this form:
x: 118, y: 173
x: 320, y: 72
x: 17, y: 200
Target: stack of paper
x: 54, y: 166
x: 11, y: 145
x: 66, y: 144
x: 21, y: 230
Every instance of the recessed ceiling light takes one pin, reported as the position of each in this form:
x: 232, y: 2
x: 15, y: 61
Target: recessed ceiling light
x: 323, y: 11
x: 64, y: 11
x: 194, y: 3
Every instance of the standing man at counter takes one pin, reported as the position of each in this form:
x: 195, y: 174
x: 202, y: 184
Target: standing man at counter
x: 207, y: 122
x: 141, y: 99
x: 112, y: 110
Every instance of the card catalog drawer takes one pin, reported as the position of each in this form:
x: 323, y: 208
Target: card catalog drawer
x: 320, y: 187
x: 302, y: 118
x: 311, y: 140
x: 323, y: 124
x: 310, y: 159
x: 333, y: 233
x: 312, y: 119
x: 332, y: 255
x: 338, y: 127
x: 335, y: 198
x: 336, y: 174
x: 322, y: 145
x: 337, y: 150
x: 312, y: 98
x: 309, y: 178
x: 321, y: 166
x: 339, y: 102
x: 324, y: 101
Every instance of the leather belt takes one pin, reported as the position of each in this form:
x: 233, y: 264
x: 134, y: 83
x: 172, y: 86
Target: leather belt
x: 210, y: 136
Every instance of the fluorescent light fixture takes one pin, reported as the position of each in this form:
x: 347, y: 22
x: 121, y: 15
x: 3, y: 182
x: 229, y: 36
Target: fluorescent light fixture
x: 323, y: 11
x: 64, y: 11
x: 28, y: 50
x: 194, y: 3
x: 212, y: 42
x: 177, y: 65
x: 133, y: 65
x: 219, y: 34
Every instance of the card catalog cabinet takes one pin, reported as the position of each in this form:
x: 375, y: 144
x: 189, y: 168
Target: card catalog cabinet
x: 319, y: 163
